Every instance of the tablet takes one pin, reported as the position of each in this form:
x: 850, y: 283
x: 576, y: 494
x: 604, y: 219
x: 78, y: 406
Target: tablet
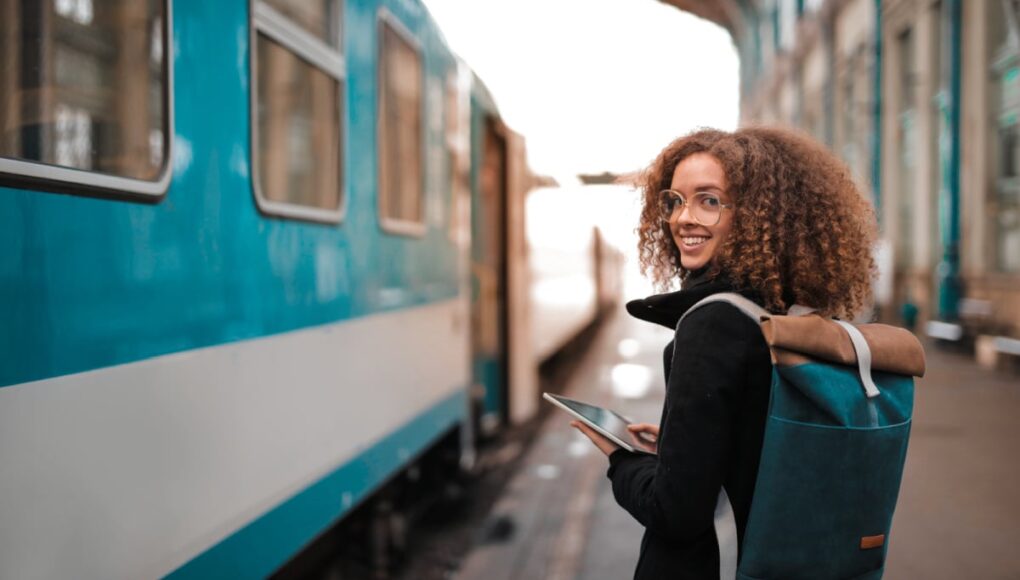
x: 609, y: 423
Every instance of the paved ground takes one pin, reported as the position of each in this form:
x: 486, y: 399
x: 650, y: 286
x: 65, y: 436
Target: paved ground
x: 958, y: 515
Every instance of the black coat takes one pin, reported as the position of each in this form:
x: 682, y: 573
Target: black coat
x: 718, y: 375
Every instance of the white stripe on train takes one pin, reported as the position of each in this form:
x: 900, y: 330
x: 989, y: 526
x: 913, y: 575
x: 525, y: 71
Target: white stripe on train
x: 131, y: 471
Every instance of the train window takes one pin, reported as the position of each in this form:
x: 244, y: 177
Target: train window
x: 458, y: 152
x: 319, y: 17
x: 299, y: 73
x: 401, y: 204
x: 85, y: 94
x: 452, y: 110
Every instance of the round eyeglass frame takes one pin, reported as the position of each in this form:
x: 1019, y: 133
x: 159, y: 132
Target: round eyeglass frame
x: 684, y: 203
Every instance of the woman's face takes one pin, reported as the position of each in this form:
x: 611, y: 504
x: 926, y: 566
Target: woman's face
x: 698, y: 244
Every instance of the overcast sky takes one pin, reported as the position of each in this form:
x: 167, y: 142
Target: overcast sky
x: 596, y: 84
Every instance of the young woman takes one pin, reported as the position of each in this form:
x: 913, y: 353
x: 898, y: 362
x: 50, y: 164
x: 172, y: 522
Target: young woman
x: 771, y: 215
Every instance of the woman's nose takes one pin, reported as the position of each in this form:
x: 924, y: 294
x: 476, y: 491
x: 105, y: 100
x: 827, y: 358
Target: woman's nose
x: 682, y: 215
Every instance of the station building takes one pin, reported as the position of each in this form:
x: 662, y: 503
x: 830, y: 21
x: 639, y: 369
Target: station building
x: 921, y: 98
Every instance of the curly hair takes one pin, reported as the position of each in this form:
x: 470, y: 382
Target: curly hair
x: 802, y: 232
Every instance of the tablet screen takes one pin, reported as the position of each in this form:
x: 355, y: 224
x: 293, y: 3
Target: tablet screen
x: 610, y: 423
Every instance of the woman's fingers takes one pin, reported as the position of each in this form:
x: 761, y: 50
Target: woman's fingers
x: 645, y: 436
x: 605, y: 445
x: 647, y: 431
x: 646, y: 442
x: 642, y: 427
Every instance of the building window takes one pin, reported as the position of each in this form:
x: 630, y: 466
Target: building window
x: 907, y: 137
x: 299, y: 73
x: 932, y: 149
x: 855, y: 112
x: 850, y: 117
x: 1004, y: 204
x: 788, y: 16
x: 84, y: 94
x: 401, y: 203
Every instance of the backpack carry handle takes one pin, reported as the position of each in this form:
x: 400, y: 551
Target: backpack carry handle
x: 863, y: 357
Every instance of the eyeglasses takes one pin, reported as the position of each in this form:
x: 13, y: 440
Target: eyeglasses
x: 705, y: 208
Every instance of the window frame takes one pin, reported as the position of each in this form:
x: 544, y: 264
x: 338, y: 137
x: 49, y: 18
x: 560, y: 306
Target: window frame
x: 408, y: 228
x: 20, y: 173
x: 303, y: 45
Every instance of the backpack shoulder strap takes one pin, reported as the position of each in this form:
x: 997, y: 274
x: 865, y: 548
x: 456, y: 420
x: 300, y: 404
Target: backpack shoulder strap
x: 748, y: 307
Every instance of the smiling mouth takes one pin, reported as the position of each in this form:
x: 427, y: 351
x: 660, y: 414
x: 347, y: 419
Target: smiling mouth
x: 693, y: 241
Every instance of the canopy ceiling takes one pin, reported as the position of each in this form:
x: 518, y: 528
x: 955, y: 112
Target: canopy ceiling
x: 725, y: 13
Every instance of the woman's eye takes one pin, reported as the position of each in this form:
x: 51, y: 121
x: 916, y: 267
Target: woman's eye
x: 709, y: 201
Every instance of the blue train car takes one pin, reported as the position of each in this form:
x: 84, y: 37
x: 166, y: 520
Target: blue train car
x: 235, y: 296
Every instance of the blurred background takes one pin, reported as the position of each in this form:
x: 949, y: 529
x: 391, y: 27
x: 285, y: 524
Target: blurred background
x: 284, y: 280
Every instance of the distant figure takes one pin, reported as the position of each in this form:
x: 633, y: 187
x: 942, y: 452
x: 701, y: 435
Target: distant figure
x: 773, y: 216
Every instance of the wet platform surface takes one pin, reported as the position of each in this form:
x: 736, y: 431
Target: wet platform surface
x: 958, y: 514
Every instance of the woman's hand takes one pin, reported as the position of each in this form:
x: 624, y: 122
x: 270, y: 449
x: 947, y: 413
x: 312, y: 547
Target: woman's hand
x: 605, y: 445
x: 645, y: 436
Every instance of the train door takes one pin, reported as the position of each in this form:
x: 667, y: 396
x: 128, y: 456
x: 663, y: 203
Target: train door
x: 489, y: 329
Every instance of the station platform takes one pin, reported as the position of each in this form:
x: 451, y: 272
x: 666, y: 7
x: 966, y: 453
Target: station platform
x: 958, y: 514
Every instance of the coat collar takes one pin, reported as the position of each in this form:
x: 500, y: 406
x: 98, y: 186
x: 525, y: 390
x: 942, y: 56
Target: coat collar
x: 666, y: 309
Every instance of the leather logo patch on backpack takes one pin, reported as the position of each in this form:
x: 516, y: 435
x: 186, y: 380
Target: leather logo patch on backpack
x: 869, y: 542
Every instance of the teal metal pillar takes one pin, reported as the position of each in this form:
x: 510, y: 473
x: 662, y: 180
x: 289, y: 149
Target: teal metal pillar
x: 876, y: 131
x: 948, y: 271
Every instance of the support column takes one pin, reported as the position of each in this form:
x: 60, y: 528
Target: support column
x: 948, y: 272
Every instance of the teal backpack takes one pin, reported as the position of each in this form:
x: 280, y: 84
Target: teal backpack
x: 832, y: 457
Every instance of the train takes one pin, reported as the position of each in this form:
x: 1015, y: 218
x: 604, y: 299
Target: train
x: 262, y: 257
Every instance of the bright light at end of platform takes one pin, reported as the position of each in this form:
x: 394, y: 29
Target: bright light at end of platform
x: 579, y: 447
x: 628, y: 348
x: 596, y: 85
x: 631, y: 381
x: 547, y: 471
